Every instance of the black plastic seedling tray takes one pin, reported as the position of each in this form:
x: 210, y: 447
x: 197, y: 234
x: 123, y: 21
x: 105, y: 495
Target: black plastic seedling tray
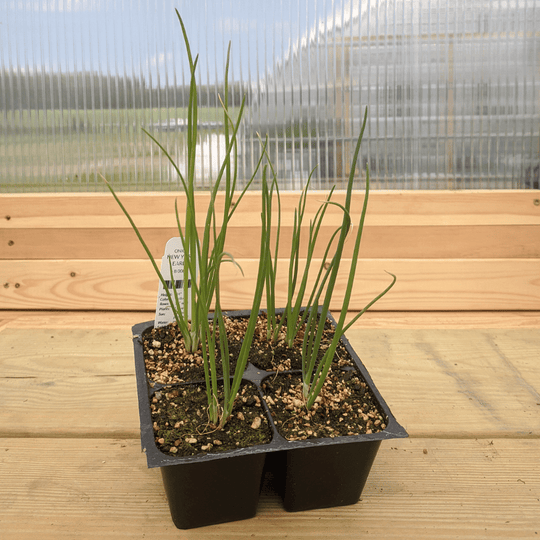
x: 217, y: 488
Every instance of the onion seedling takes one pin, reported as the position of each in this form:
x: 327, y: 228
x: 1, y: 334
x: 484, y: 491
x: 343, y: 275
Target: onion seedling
x: 203, y: 256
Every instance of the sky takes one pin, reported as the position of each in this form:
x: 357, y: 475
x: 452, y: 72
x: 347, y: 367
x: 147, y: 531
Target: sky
x: 143, y: 38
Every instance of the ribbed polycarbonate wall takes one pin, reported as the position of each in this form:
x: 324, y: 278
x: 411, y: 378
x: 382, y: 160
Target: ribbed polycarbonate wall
x: 452, y: 90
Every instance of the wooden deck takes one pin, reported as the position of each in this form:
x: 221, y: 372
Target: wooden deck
x: 454, y: 350
x: 466, y: 386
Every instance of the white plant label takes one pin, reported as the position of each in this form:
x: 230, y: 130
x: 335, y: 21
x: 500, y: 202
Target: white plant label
x: 174, y: 250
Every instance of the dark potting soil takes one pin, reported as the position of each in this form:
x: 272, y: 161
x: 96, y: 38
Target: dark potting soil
x: 182, y: 426
x: 345, y: 406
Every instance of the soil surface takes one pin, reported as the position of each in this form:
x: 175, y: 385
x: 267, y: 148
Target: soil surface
x: 344, y: 407
x: 182, y: 426
x: 167, y: 360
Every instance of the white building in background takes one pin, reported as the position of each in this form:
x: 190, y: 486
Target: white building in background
x: 451, y: 88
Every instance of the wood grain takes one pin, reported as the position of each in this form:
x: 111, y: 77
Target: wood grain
x: 472, y: 320
x: 461, y: 377
x: 463, y: 284
x: 418, y: 489
x: 470, y: 468
x: 399, y: 225
x: 373, y: 319
x: 400, y: 208
x: 456, y: 383
x: 75, y: 382
x: 382, y: 241
x: 439, y: 383
x: 450, y: 250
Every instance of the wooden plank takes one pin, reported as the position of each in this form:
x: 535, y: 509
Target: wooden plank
x: 379, y: 241
x: 472, y: 382
x: 473, y: 320
x: 417, y: 489
x: 399, y: 208
x: 68, y: 383
x: 423, y: 285
x: 370, y: 320
x: 439, y: 383
x: 88, y: 320
x: 399, y: 224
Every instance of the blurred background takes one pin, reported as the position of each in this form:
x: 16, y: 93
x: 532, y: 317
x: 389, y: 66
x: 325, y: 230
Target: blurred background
x: 452, y: 90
